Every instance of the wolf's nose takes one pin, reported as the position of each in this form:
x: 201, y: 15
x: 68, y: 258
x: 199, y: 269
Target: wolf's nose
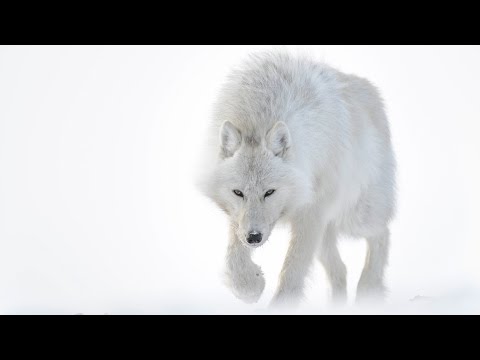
x: 254, y: 237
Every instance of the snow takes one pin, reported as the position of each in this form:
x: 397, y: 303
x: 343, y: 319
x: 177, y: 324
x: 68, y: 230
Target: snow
x: 98, y: 209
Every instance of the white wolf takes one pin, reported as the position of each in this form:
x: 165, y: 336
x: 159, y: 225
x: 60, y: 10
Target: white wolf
x: 298, y: 141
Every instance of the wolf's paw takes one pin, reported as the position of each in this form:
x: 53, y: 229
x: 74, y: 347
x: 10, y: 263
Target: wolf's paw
x: 283, y: 301
x: 370, y: 292
x: 247, y: 284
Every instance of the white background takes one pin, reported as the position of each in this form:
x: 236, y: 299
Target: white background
x: 99, y: 212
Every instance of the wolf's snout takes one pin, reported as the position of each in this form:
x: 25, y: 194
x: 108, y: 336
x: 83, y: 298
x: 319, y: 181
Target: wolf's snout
x: 254, y: 237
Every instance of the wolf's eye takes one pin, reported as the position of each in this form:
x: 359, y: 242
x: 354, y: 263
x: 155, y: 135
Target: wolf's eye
x: 238, y: 193
x: 269, y: 192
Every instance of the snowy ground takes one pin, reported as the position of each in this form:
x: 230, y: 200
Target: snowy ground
x: 98, y: 209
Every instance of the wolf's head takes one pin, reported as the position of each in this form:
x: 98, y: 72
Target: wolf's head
x: 254, y: 181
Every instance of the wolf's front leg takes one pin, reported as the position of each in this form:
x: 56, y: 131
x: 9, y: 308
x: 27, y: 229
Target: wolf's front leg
x: 243, y: 276
x: 307, y: 229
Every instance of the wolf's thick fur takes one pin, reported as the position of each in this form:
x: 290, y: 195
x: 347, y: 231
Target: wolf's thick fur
x: 321, y: 140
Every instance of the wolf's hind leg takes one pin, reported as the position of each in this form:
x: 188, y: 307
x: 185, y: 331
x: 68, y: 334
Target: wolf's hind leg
x: 371, y: 284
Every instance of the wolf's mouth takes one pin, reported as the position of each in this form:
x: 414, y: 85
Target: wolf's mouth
x: 253, y: 245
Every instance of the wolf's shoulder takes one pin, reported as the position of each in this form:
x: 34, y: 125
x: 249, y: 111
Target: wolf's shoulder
x: 357, y: 86
x: 278, y: 66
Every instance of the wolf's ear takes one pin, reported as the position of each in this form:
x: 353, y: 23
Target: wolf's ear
x: 278, y: 139
x: 230, y: 139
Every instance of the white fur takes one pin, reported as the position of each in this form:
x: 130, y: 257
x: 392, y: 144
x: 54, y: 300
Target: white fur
x: 320, y: 139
